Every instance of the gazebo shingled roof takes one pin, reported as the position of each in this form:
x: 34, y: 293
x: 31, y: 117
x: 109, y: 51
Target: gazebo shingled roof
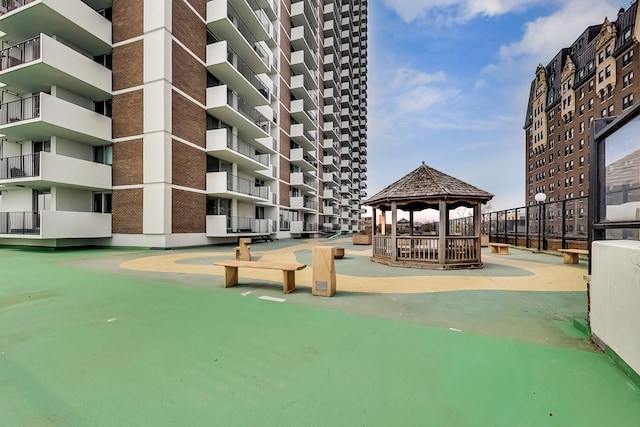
x: 427, y: 183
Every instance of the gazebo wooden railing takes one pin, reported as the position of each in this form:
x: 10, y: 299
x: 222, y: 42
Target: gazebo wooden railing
x: 460, y: 249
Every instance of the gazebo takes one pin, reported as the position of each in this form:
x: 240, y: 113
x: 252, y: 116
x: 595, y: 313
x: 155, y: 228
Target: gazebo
x: 427, y: 188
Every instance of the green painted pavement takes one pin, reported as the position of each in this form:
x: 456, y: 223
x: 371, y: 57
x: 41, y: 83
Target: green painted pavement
x: 84, y: 343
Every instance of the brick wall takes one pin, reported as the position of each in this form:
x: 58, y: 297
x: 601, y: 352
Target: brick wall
x: 200, y: 6
x: 127, y: 114
x: 127, y: 65
x: 189, y: 166
x: 189, y: 75
x: 127, y: 211
x: 127, y: 162
x: 284, y: 194
x: 188, y: 212
x: 189, y: 120
x: 127, y: 19
x: 189, y: 29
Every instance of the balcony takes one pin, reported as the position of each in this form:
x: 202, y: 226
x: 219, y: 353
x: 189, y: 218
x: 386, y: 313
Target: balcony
x: 330, y: 147
x: 330, y: 211
x: 70, y: 20
x: 269, y: 7
x: 226, y: 146
x: 301, y: 115
x: 332, y: 163
x: 304, y: 13
x: 298, y: 179
x: 302, y: 91
x: 303, y: 203
x: 55, y: 225
x: 330, y: 194
x: 245, y: 38
x: 304, y: 64
x: 225, y: 226
x: 225, y: 105
x: 38, y: 64
x: 301, y: 137
x: 303, y: 39
x: 305, y: 161
x: 45, y: 169
x: 40, y: 116
x: 224, y: 184
x: 225, y: 63
x: 331, y: 178
x: 302, y: 227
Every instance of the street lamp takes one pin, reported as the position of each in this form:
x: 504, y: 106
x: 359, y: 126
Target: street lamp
x: 540, y: 198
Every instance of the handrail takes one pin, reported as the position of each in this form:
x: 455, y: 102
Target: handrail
x: 20, y: 53
x: 26, y: 166
x: 21, y: 109
x: 8, y: 6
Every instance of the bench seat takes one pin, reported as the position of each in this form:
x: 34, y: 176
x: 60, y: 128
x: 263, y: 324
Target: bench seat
x: 571, y: 256
x: 288, y: 269
x: 499, y: 248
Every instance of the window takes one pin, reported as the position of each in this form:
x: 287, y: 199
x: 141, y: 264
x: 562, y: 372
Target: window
x: 627, y: 80
x: 611, y: 106
x: 603, y: 113
x: 102, y: 202
x: 601, y: 76
x: 581, y: 161
x: 582, y: 144
x: 591, y: 85
x: 39, y: 146
x: 627, y: 58
x: 103, y: 154
x: 591, y: 104
x: 627, y: 101
x: 607, y: 71
x: 581, y: 178
x: 581, y: 127
x: 581, y: 109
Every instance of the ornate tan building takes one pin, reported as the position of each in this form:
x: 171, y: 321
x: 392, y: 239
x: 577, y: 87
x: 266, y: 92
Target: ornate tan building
x: 592, y: 78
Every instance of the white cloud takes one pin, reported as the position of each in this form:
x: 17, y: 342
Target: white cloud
x: 546, y: 35
x: 456, y: 11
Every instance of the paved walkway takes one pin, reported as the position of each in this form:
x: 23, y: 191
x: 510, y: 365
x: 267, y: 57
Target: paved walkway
x: 86, y: 342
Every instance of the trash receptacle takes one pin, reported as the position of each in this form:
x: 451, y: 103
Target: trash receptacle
x: 324, y: 272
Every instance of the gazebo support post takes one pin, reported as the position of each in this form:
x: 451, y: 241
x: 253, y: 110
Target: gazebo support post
x: 410, y: 223
x: 476, y: 231
x: 442, y: 233
x: 394, y: 232
x: 374, y: 223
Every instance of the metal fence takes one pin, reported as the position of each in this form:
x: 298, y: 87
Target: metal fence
x: 547, y: 226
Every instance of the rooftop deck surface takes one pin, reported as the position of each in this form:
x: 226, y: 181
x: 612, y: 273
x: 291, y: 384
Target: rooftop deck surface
x: 115, y: 337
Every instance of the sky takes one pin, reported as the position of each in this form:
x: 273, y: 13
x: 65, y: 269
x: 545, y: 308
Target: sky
x: 448, y: 84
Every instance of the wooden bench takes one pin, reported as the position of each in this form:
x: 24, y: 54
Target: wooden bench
x: 499, y: 248
x: 243, y: 252
x: 288, y: 269
x: 571, y: 255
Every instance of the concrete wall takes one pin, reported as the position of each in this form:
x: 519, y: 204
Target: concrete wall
x: 615, y: 297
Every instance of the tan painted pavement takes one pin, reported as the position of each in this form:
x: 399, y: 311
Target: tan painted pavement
x: 545, y: 277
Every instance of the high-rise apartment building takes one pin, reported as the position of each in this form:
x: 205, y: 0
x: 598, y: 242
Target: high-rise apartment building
x: 592, y: 78
x: 168, y: 123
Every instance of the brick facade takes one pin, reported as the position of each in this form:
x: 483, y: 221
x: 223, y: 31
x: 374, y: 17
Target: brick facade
x: 127, y: 19
x: 188, y: 212
x: 127, y: 162
x: 127, y: 211
x: 189, y: 75
x: 128, y: 62
x: 127, y: 114
x: 189, y: 166
x: 188, y: 120
x: 189, y: 28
